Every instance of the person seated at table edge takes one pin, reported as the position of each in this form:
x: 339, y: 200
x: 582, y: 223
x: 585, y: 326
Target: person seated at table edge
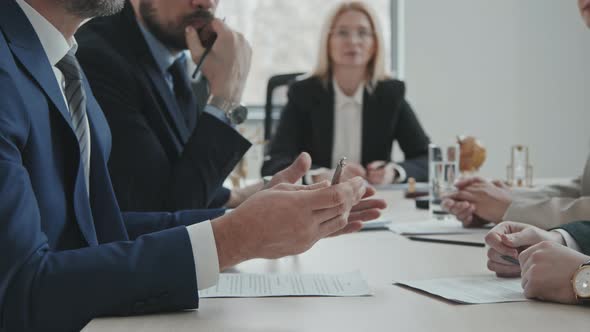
x: 350, y: 107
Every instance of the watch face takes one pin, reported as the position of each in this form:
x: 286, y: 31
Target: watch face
x: 582, y: 282
x: 239, y: 115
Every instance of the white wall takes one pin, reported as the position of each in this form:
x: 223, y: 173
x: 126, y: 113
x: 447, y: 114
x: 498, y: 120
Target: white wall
x: 507, y: 71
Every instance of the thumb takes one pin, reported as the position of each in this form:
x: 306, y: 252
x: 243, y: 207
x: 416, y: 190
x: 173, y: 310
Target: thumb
x: 296, y: 170
x: 525, y: 238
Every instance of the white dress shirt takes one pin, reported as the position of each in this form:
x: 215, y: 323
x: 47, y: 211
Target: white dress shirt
x: 201, y: 235
x: 569, y: 240
x: 348, y: 127
x: 348, y: 124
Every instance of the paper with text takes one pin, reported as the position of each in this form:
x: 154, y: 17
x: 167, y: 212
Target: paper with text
x: 433, y: 227
x: 472, y: 290
x: 289, y: 284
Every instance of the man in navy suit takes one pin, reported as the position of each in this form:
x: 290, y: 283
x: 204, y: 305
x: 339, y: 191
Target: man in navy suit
x: 68, y: 253
x: 172, y: 147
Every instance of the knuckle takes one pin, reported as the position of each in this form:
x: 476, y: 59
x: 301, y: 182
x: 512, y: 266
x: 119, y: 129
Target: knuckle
x: 489, y: 238
x: 545, y: 245
x: 491, y: 254
x: 533, y: 285
x: 338, y: 197
x: 491, y: 266
x: 342, y: 221
x: 341, y: 209
x: 280, y: 186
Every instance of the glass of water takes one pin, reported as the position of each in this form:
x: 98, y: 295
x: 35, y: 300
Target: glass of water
x: 443, y: 162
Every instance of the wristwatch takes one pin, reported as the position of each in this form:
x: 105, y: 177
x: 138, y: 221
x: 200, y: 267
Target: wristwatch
x: 236, y: 113
x: 581, y: 283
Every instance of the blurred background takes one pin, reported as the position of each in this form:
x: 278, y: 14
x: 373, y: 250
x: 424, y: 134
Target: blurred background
x: 519, y: 74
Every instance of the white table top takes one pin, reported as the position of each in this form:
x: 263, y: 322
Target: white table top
x: 382, y: 257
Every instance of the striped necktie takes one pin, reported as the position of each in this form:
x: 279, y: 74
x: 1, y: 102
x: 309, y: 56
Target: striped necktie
x: 76, y: 97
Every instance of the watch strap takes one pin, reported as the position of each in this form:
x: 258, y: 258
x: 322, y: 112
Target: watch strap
x: 235, y: 112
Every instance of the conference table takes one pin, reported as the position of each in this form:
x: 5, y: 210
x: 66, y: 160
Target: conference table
x: 382, y: 257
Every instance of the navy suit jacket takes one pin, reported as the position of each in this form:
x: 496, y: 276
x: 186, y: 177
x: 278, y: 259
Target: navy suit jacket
x: 580, y: 231
x: 157, y: 163
x: 67, y: 257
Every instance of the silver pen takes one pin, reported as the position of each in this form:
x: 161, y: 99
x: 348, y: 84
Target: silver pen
x: 510, y: 260
x: 338, y: 172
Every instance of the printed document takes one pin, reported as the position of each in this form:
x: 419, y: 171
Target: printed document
x: 290, y: 284
x: 472, y: 290
x: 433, y: 227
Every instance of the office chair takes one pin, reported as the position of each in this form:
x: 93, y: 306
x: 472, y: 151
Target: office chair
x: 273, y: 83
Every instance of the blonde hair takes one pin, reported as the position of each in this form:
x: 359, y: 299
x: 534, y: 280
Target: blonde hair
x: 376, y: 67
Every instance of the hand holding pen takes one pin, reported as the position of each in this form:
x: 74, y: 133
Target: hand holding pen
x: 225, y: 63
x: 366, y: 209
x: 338, y: 171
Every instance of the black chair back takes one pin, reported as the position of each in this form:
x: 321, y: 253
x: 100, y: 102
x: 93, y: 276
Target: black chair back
x: 269, y: 108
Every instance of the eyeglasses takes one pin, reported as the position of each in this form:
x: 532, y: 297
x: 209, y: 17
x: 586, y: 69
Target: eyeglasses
x: 362, y: 34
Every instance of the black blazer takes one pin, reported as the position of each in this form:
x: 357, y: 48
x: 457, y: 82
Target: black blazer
x: 156, y: 164
x: 307, y: 124
x: 580, y: 231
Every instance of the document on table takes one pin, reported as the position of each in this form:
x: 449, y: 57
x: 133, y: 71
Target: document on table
x: 420, y: 186
x: 289, y: 284
x: 472, y: 290
x: 380, y: 223
x: 433, y: 227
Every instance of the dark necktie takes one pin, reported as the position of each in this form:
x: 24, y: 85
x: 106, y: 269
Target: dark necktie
x: 183, y: 92
x: 76, y: 97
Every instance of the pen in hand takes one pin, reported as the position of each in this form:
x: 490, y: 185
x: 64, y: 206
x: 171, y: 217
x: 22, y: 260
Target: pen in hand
x: 200, y: 64
x: 510, y: 259
x: 338, y: 172
x: 207, y: 51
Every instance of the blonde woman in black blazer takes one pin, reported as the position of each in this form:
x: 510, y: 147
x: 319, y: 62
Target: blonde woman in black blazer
x: 350, y: 107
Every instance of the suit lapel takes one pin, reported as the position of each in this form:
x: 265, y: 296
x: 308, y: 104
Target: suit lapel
x: 27, y: 49
x: 101, y: 192
x: 170, y: 106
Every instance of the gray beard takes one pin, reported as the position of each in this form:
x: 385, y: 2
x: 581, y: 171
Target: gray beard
x: 92, y: 8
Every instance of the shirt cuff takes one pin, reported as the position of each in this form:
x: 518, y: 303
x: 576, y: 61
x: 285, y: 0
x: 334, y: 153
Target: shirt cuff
x: 403, y: 176
x: 204, y: 253
x: 219, y: 114
x: 570, y: 242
